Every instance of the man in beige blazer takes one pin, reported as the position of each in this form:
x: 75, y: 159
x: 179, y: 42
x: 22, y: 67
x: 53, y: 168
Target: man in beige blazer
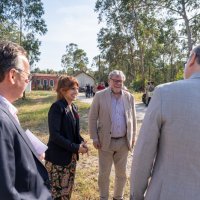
x: 112, y: 126
x: 166, y: 159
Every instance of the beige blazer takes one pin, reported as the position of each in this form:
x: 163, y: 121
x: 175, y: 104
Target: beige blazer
x: 100, y: 118
x: 166, y: 159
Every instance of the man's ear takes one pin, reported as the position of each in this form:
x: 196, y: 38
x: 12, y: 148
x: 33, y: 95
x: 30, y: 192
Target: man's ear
x: 11, y: 76
x: 192, y: 59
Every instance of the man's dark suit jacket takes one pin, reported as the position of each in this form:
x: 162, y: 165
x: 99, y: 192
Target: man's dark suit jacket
x: 23, y: 176
x: 64, y: 132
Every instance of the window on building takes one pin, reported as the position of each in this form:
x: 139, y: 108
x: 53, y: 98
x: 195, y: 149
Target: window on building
x: 51, y: 83
x: 45, y: 82
x: 38, y: 82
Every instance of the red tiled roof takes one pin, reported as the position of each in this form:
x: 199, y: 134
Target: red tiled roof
x: 46, y: 75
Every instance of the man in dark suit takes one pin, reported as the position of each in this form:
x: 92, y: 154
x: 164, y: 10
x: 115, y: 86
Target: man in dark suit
x: 22, y: 174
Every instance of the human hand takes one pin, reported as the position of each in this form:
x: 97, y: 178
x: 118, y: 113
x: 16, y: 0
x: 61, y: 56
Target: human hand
x: 42, y: 156
x: 96, y: 144
x: 83, y: 148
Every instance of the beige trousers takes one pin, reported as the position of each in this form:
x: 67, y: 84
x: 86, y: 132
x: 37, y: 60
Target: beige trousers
x: 117, y: 154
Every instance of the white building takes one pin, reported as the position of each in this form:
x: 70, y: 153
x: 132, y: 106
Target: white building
x: 84, y: 79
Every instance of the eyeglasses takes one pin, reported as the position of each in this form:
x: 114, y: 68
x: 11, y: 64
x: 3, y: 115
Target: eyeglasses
x: 184, y: 65
x: 29, y: 78
x: 116, y: 81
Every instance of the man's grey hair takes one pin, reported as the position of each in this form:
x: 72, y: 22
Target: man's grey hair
x: 117, y: 73
x: 196, y: 50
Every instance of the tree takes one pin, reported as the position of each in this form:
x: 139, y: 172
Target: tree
x: 141, y: 37
x: 32, y: 45
x: 8, y: 31
x: 131, y: 35
x: 187, y: 15
x: 74, y: 59
x: 101, y: 75
x: 25, y: 18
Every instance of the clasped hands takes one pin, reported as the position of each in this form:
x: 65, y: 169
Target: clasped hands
x: 83, y: 148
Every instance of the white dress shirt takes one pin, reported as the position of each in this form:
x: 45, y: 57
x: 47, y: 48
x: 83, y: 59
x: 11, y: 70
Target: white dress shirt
x: 12, y: 109
x: 118, y: 127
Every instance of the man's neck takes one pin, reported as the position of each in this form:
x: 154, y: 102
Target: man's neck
x: 117, y: 94
x: 4, y: 95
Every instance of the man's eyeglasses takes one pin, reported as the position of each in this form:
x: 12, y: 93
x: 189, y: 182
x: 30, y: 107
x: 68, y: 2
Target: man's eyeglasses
x: 29, y: 78
x: 116, y: 81
x: 184, y: 65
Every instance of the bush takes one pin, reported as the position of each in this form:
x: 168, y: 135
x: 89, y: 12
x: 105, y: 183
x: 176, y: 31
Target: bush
x: 137, y: 85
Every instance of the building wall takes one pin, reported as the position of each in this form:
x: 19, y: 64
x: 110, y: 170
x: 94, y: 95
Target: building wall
x: 84, y: 79
x: 44, y: 82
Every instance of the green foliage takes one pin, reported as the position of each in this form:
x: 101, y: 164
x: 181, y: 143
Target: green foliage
x: 147, y: 40
x: 74, y: 59
x: 47, y: 71
x: 21, y: 21
x: 137, y: 85
x: 187, y: 21
x: 101, y: 75
x: 32, y: 45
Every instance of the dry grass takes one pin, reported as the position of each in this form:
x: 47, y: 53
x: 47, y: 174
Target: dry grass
x: 33, y: 115
x: 138, y: 96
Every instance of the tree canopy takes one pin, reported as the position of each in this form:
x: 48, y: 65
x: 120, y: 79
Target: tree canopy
x: 147, y: 39
x: 74, y: 59
x: 21, y: 21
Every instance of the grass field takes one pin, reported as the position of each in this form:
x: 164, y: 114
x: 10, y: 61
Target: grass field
x: 33, y: 115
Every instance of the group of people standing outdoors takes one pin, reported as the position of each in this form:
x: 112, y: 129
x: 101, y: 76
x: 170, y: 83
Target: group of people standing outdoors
x: 165, y: 162
x: 90, y: 90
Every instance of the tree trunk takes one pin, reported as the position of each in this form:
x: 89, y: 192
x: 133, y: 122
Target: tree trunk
x: 188, y: 30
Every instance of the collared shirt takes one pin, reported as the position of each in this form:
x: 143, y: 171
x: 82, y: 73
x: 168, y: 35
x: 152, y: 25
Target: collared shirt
x: 118, y: 128
x: 12, y: 109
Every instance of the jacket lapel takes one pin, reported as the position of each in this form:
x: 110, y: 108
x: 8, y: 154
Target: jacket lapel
x: 69, y: 114
x: 108, y: 101
x: 21, y: 132
x: 126, y: 104
x: 76, y: 126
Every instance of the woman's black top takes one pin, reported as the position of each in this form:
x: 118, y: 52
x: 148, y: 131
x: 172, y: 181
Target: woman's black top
x: 64, y: 130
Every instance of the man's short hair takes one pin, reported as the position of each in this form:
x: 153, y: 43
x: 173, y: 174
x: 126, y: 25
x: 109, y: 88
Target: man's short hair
x: 196, y: 50
x: 117, y: 73
x: 9, y: 52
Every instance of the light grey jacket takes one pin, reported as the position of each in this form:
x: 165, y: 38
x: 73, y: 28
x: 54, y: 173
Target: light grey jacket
x: 100, y: 118
x: 166, y: 161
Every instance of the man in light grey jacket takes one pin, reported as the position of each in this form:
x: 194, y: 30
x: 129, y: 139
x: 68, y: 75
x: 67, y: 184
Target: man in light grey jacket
x: 112, y: 126
x: 166, y: 161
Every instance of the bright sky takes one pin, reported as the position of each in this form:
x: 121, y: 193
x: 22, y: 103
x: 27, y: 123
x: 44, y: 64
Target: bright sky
x: 68, y: 21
